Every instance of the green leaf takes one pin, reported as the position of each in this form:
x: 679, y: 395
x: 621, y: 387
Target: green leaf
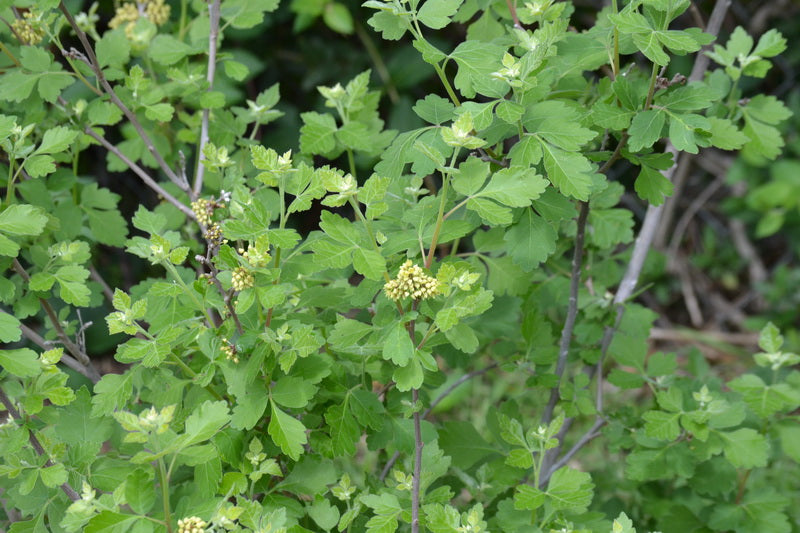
x: 22, y: 362
x: 167, y: 50
x: 111, y: 393
x: 56, y: 140
x: 35, y: 58
x: 528, y: 498
x: 531, y: 240
x: 436, y: 14
x: 338, y: 18
x: 292, y: 392
x: 770, y: 44
x: 160, y: 112
x: 9, y: 328
x: 558, y: 124
x: 210, y: 100
x: 40, y: 165
x: 113, y: 49
x: 392, y: 26
x: 410, y: 376
x: 570, y: 490
x: 491, y: 213
x: 434, y: 109
x: 22, y: 219
x: 367, y: 409
x: 515, y: 186
x: 652, y: 186
x: 288, y: 433
x: 317, y: 133
x: 661, y: 425
x: 682, y: 131
x: 204, y: 422
x: 16, y: 86
x: 770, y: 339
x: 324, y: 513
x: 645, y: 129
x: 725, y: 135
x: 760, y: 510
x: 610, y: 226
x: 570, y: 172
x: 75, y: 424
x: 140, y: 491
x: 343, y: 429
x: 745, y: 448
x: 476, y: 62
x: 72, y: 285
x: 110, y: 522
x: 397, y: 345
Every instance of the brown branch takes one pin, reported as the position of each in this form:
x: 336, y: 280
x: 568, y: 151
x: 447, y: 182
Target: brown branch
x: 95, y: 275
x: 585, y: 439
x: 94, y: 64
x: 67, y: 359
x: 213, y: 17
x: 139, y: 171
x: 37, y: 446
x: 572, y: 312
x: 71, y: 347
x: 444, y: 394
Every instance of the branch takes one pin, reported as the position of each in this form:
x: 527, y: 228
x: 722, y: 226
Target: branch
x: 98, y: 72
x: 67, y: 359
x: 641, y: 247
x: 444, y: 394
x: 572, y: 312
x: 139, y: 171
x: 213, y: 17
x: 583, y: 441
x: 71, y: 347
x: 6, y: 401
x: 95, y: 275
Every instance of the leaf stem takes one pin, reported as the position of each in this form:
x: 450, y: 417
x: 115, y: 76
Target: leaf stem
x: 440, y: 216
x: 164, y: 482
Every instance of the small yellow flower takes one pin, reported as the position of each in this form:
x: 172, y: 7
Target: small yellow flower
x: 192, y: 524
x: 242, y: 279
x: 29, y: 28
x: 411, y: 282
x: 203, y: 210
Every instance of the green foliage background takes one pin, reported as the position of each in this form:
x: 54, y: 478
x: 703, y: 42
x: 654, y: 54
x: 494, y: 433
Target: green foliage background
x: 227, y: 351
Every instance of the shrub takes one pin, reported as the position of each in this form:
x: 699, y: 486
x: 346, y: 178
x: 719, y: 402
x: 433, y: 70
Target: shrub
x: 430, y: 329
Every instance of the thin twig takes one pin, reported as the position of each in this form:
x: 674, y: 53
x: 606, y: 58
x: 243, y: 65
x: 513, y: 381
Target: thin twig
x: 444, y: 394
x: 98, y: 72
x: 564, y: 459
x: 213, y: 37
x: 139, y: 171
x: 647, y: 232
x: 67, y: 359
x: 71, y: 347
x: 572, y: 312
x: 417, y: 476
x: 37, y: 446
x: 95, y: 275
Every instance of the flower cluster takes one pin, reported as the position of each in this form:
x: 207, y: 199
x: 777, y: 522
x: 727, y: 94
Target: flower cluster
x: 214, y: 235
x: 30, y: 28
x: 242, y: 279
x: 204, y: 209
x: 231, y: 354
x: 413, y: 282
x: 192, y: 524
x: 156, y: 11
x: 256, y: 257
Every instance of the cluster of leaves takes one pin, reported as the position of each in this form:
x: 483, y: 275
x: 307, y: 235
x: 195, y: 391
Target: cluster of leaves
x: 261, y: 359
